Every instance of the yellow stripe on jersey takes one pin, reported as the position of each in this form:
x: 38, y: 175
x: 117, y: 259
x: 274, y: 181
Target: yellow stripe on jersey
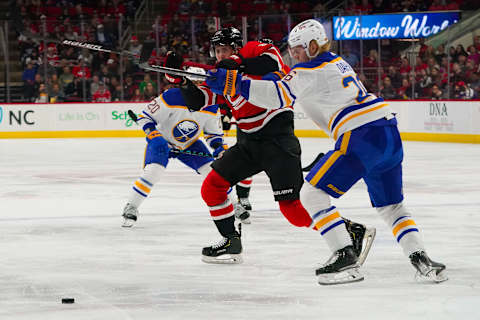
x: 170, y: 105
x: 331, y: 160
x: 337, y: 127
x: 286, y: 98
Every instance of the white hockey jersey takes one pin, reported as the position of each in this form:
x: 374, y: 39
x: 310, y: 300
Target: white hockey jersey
x: 177, y: 124
x: 329, y: 91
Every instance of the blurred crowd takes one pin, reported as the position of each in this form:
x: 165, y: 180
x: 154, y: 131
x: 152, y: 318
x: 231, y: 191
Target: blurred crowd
x: 58, y: 73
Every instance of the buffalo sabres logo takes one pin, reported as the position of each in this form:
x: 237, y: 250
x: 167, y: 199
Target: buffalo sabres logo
x: 185, y: 130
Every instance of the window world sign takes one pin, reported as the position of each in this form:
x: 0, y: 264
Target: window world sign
x: 392, y: 26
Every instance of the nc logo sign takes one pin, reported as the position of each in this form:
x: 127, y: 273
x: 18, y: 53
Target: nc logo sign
x: 1, y: 114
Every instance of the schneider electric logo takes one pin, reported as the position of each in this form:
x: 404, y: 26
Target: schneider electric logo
x: 122, y: 116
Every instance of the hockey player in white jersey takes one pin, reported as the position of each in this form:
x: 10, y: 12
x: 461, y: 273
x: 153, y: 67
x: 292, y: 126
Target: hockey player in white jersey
x: 368, y: 146
x: 173, y: 131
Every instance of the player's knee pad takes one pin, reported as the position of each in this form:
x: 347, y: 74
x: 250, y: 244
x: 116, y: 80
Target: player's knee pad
x: 205, y: 169
x: 153, y: 172
x: 295, y: 213
x: 214, y: 189
x: 314, y: 199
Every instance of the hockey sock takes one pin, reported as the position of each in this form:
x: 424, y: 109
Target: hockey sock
x: 404, y: 229
x: 243, y: 188
x: 214, y: 193
x: 144, y: 184
x: 325, y: 217
x: 295, y: 213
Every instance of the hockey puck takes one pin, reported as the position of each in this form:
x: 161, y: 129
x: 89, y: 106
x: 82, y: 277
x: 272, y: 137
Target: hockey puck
x: 68, y: 300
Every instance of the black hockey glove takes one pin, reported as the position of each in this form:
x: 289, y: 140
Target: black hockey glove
x: 174, y: 61
x: 226, y: 124
x: 234, y: 62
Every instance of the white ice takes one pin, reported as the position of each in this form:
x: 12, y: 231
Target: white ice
x: 60, y: 207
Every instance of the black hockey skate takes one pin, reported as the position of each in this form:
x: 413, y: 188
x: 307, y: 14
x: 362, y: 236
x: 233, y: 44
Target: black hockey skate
x: 242, y: 210
x: 340, y: 268
x: 362, y: 239
x: 427, y: 269
x: 227, y: 251
x: 130, y: 215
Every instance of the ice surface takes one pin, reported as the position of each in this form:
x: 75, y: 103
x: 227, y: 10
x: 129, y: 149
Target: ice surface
x: 60, y: 207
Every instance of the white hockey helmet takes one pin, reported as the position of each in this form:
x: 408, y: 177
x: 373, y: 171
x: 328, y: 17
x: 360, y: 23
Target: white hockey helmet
x: 306, y: 31
x: 195, y: 70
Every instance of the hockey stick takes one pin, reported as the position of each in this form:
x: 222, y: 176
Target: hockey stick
x: 310, y: 166
x: 176, y: 72
x: 134, y: 117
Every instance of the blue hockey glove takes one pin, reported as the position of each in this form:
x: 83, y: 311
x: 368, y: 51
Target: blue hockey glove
x: 157, y: 149
x: 224, y: 82
x: 157, y: 142
x: 218, y: 152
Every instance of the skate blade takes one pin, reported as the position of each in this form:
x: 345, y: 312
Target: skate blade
x: 344, y: 276
x: 128, y: 223
x: 224, y: 259
x: 368, y: 238
x: 431, y: 276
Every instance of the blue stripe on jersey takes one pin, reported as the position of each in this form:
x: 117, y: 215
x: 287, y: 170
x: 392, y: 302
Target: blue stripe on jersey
x: 140, y: 192
x: 289, y: 91
x: 347, y: 110
x: 324, y: 57
x: 213, y: 108
x: 149, y: 116
x: 146, y: 182
x: 399, y: 219
x: 405, y: 232
x: 173, y: 97
x: 332, y: 226
x: 279, y: 95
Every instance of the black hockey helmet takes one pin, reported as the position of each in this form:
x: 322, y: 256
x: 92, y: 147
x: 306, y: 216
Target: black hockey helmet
x: 226, y: 37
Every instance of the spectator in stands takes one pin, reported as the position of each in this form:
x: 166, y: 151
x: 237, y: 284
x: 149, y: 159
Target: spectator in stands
x: 41, y: 96
x: 394, y: 76
x: 405, y: 68
x: 129, y: 88
x: 176, y: 26
x: 53, y: 79
x: 460, y: 50
x: 387, y: 91
x: 371, y: 61
x: 56, y: 94
x: 135, y: 47
x: 85, y: 57
x: 137, y: 96
x: 473, y: 54
x: 95, y: 84
x: 102, y: 37
x: 146, y: 80
x: 102, y: 94
x: 425, y: 82
x: 117, y: 93
x: 405, y: 91
x: 149, y: 93
x: 437, y: 93
x: 350, y: 57
x: 28, y: 78
x: 440, y: 53
x: 66, y: 80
